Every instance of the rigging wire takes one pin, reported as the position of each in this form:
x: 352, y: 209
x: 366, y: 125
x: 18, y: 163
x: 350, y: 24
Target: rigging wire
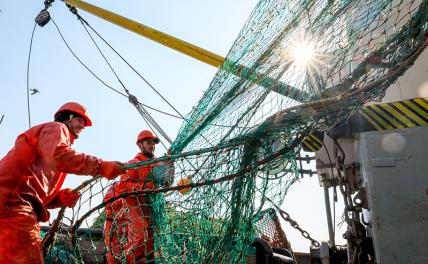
x: 83, y: 64
x: 28, y: 76
x: 105, y: 59
x: 135, y: 70
x: 132, y: 99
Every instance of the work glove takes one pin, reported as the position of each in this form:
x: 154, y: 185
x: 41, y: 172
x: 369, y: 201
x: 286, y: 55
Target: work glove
x: 68, y: 198
x: 184, y: 181
x: 111, y: 169
x: 163, y: 174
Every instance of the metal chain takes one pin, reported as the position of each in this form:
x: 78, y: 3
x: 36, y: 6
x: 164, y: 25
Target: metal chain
x: 351, y: 235
x: 295, y: 225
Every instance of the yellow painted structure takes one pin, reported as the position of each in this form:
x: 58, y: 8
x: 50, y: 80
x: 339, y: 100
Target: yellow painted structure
x: 151, y: 33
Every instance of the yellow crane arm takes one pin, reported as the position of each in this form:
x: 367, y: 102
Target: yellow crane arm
x: 151, y: 33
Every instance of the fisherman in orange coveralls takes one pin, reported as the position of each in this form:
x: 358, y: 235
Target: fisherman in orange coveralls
x: 31, y: 176
x: 128, y: 231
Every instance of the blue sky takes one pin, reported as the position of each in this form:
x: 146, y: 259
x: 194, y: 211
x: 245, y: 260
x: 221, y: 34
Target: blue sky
x: 213, y: 25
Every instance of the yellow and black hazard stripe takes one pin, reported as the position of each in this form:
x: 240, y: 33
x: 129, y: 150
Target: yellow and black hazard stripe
x: 386, y: 116
x: 313, y: 141
x: 402, y: 114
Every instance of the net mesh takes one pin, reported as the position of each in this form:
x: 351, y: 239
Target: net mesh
x: 268, y: 228
x: 295, y: 67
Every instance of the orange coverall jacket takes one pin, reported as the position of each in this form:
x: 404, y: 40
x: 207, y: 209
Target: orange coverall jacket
x: 131, y: 236
x: 31, y: 175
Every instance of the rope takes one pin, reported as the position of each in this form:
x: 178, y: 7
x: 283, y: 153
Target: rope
x: 135, y: 70
x: 28, y: 76
x: 83, y: 64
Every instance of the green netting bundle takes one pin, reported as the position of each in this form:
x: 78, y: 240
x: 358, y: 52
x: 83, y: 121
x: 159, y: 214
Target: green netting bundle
x: 296, y: 66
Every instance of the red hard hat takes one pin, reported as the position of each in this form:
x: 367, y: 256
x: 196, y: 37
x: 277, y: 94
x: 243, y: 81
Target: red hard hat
x: 147, y: 134
x: 75, y: 108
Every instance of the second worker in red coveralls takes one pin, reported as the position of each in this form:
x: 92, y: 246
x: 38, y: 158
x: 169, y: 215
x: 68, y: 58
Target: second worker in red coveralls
x: 128, y: 230
x: 31, y: 176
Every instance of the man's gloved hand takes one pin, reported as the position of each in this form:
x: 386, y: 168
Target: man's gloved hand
x: 169, y: 170
x: 111, y: 169
x: 68, y: 198
x: 163, y: 173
